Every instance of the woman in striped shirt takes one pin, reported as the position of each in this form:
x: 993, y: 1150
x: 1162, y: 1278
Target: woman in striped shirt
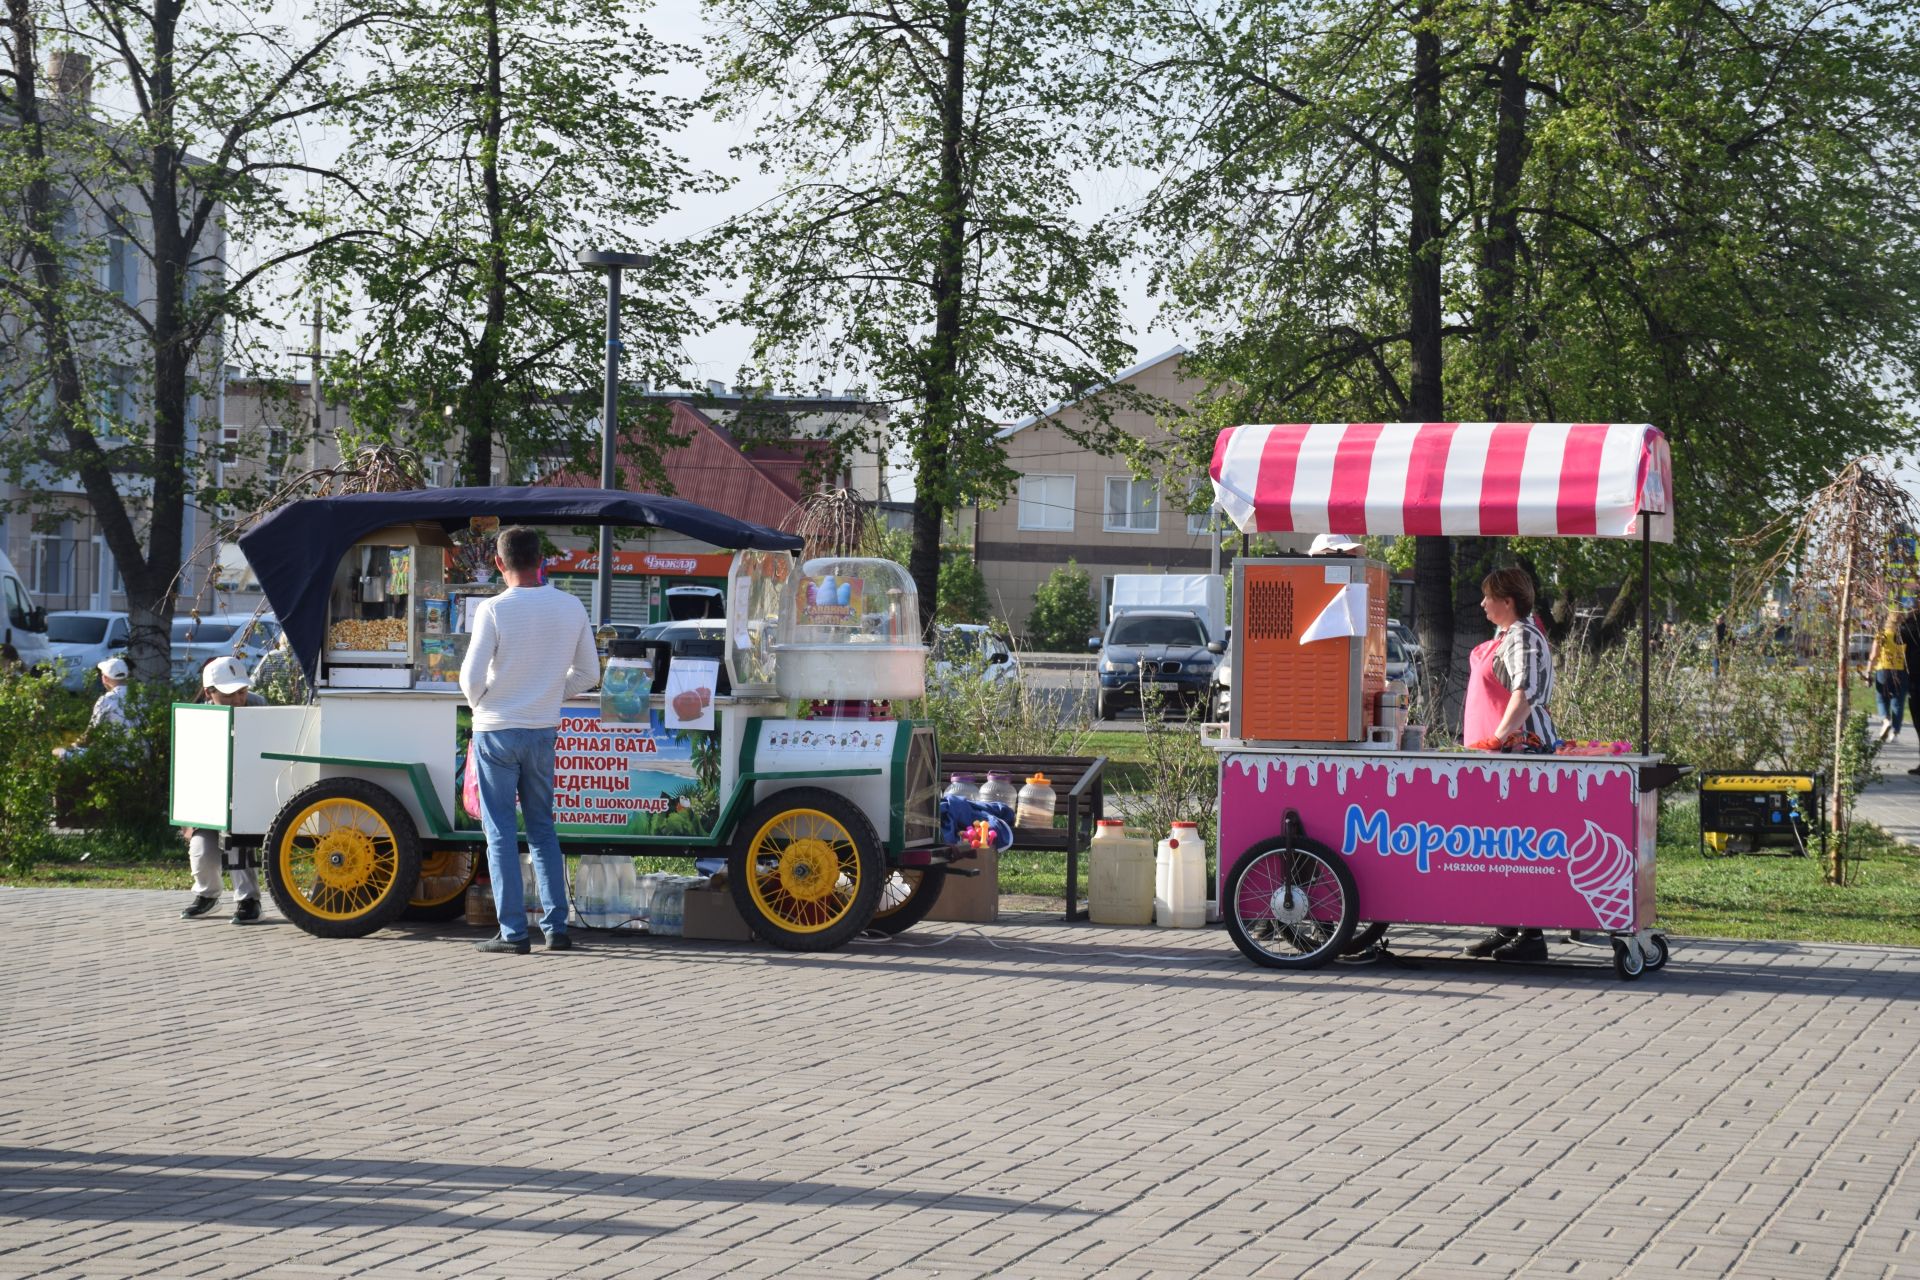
x: 1510, y: 676
x: 1510, y: 679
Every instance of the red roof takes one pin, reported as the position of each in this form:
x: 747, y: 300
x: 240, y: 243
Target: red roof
x: 762, y: 484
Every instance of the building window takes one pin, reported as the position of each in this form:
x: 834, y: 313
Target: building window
x: 116, y: 405
x: 123, y: 262
x: 107, y: 582
x: 1133, y: 506
x: 1200, y: 523
x: 53, y: 561
x: 1046, y: 502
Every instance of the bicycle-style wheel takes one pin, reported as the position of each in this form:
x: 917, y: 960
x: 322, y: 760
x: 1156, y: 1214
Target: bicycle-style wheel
x: 1291, y: 904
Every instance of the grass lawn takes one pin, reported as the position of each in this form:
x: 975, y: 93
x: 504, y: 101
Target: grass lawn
x: 1766, y: 896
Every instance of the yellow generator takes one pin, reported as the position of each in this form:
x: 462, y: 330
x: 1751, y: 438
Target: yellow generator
x: 1743, y: 812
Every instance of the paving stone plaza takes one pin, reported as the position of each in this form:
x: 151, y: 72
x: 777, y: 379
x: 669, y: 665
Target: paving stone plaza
x: 1024, y: 1099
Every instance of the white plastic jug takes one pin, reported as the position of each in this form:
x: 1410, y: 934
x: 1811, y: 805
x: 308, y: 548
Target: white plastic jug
x: 1180, y: 879
x: 1120, y: 877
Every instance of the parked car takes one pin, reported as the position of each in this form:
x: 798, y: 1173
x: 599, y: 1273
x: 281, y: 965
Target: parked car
x: 1220, y: 696
x: 971, y: 644
x: 218, y: 635
x: 81, y: 639
x: 25, y: 624
x: 1405, y: 662
x: 1167, y: 649
x: 1406, y: 634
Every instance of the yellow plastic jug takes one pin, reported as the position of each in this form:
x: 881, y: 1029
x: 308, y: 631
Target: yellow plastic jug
x: 1120, y: 883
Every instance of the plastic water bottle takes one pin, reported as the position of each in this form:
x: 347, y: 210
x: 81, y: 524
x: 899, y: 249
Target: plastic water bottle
x: 530, y: 890
x: 590, y: 893
x: 1180, y: 879
x: 626, y: 894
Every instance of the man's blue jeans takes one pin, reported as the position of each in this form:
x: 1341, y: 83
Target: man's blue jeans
x: 518, y: 763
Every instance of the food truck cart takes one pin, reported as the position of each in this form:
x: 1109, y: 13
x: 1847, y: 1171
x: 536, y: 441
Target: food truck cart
x: 1331, y: 830
x: 363, y: 804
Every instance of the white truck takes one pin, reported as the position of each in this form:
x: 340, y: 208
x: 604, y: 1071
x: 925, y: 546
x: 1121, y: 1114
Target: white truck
x: 1202, y: 594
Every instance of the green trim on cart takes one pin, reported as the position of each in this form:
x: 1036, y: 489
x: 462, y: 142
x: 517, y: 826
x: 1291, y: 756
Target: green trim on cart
x: 430, y: 808
x: 897, y: 786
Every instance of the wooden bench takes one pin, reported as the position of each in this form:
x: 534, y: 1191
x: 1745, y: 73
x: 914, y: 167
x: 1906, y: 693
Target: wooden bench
x: 1079, y: 796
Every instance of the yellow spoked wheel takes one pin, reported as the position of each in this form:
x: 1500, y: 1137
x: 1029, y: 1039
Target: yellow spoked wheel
x: 805, y: 869
x: 342, y: 858
x: 441, y: 893
x: 906, y: 897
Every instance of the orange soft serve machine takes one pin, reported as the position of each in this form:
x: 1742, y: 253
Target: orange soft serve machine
x: 1309, y: 649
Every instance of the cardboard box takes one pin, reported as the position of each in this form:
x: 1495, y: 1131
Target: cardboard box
x: 711, y: 916
x: 971, y: 899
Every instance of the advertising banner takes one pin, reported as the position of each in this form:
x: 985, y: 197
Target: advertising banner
x: 630, y: 781
x: 1538, y: 842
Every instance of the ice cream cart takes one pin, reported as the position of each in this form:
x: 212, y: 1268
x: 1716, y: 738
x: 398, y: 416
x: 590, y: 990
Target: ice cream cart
x: 363, y: 804
x: 1331, y: 829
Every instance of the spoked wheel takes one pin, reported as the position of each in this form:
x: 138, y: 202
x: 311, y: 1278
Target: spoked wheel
x: 342, y: 858
x: 1291, y: 908
x: 442, y: 890
x: 906, y: 897
x: 805, y: 869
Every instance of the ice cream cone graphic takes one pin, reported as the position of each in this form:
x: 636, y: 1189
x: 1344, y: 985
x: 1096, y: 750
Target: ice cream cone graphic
x: 1603, y: 873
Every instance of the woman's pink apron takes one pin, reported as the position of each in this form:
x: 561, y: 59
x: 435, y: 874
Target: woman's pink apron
x: 1487, y: 698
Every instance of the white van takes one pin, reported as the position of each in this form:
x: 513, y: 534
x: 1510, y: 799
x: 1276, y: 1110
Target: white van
x: 25, y: 624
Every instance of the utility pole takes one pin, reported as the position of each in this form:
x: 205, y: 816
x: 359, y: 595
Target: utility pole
x: 613, y: 261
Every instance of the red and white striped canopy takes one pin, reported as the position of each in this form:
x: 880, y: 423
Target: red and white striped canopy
x: 1525, y: 479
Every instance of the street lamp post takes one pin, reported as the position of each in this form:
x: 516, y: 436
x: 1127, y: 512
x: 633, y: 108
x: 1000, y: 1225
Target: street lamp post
x: 613, y: 261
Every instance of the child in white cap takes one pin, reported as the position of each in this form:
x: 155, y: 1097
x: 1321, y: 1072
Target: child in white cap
x: 109, y: 708
x: 224, y: 682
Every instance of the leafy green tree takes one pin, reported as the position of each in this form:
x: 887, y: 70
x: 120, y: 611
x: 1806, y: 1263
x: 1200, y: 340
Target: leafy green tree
x: 1064, y: 613
x: 963, y: 588
x: 492, y: 141
x: 1689, y: 213
x: 123, y: 289
x: 926, y: 242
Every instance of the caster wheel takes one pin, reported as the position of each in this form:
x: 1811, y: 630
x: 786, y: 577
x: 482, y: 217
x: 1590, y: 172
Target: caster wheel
x: 1657, y: 945
x: 1627, y: 961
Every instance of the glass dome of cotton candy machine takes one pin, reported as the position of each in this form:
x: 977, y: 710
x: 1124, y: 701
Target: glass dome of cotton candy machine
x: 850, y: 630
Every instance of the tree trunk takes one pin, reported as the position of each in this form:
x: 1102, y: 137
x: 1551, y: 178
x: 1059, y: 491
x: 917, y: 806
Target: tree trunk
x: 481, y: 419
x: 1433, y: 557
x: 1837, y: 787
x: 943, y: 413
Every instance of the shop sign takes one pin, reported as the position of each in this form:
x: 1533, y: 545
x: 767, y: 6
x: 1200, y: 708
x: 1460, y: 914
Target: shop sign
x: 669, y: 564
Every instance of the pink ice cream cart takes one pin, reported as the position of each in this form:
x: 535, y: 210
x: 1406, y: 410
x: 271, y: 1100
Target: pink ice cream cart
x: 1326, y: 844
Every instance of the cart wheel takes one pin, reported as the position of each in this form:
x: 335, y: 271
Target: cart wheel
x: 805, y: 869
x: 442, y: 891
x: 906, y: 896
x: 342, y: 858
x: 1627, y: 961
x: 1658, y: 960
x: 1364, y: 936
x: 1290, y: 909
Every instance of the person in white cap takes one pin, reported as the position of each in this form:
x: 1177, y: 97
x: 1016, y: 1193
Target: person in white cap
x: 224, y: 682
x: 1335, y: 544
x: 109, y: 708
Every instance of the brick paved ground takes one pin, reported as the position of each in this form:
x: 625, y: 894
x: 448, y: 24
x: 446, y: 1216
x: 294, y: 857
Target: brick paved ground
x: 196, y: 1099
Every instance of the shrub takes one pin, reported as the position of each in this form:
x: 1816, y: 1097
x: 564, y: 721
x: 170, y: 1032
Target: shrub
x: 975, y: 715
x: 117, y: 785
x: 1064, y: 613
x: 963, y: 588
x: 30, y: 721
x: 1182, y: 774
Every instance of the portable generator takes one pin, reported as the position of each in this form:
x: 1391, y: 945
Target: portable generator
x: 1742, y: 812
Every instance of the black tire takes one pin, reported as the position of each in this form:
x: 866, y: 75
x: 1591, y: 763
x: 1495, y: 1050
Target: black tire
x: 921, y: 887
x: 1103, y: 707
x: 787, y: 901
x: 337, y: 878
x: 440, y: 902
x: 1627, y: 962
x: 1658, y: 960
x: 1299, y: 937
x: 1364, y: 936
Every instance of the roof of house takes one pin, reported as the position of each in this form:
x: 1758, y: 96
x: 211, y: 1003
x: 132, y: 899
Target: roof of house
x: 760, y: 484
x: 1125, y: 375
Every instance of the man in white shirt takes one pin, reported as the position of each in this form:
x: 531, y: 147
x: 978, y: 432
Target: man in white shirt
x: 109, y: 708
x: 531, y: 650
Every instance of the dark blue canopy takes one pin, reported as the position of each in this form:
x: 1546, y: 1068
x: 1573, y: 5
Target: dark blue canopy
x: 295, y: 551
